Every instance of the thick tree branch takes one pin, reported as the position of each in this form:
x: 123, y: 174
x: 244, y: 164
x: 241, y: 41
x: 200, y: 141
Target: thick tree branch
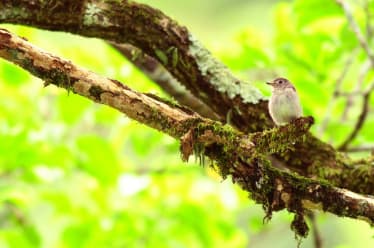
x: 193, y: 66
x: 241, y: 156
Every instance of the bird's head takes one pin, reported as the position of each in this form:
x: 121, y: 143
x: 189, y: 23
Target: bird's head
x: 280, y: 83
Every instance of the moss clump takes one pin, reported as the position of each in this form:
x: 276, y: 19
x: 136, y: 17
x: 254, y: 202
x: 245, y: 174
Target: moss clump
x: 299, y: 226
x: 162, y: 57
x: 96, y: 92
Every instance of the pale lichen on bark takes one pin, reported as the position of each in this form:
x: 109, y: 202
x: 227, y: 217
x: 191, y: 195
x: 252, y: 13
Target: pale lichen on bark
x: 93, y: 14
x: 219, y: 75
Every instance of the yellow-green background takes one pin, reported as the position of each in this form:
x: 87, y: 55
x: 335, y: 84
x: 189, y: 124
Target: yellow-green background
x: 77, y: 174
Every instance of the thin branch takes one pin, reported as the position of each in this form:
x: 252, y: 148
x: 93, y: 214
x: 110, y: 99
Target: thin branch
x: 363, y: 148
x: 356, y: 29
x: 358, y: 89
x: 350, y: 94
x: 145, y: 108
x: 336, y: 93
x: 16, y: 212
x: 368, y: 18
x: 238, y: 155
x: 361, y: 119
x: 158, y: 74
x: 317, y: 238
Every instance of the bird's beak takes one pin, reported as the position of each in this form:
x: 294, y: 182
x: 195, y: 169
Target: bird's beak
x: 270, y: 83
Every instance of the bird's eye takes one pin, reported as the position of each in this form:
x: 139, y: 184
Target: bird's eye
x: 280, y: 81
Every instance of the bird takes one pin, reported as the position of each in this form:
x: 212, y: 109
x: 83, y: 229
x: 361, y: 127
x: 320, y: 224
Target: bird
x: 284, y: 104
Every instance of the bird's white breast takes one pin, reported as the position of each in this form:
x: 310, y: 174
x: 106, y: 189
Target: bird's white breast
x: 284, y: 106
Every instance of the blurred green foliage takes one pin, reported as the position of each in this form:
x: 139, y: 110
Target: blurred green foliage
x: 76, y: 174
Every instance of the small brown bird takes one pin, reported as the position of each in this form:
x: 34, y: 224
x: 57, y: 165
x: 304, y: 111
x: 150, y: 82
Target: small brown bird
x: 284, y: 104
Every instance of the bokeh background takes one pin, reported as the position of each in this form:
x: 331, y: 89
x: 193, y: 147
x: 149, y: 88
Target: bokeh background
x: 77, y: 174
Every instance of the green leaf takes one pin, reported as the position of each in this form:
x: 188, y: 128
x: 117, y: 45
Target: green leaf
x: 72, y: 107
x: 12, y: 75
x: 97, y: 157
x: 307, y: 11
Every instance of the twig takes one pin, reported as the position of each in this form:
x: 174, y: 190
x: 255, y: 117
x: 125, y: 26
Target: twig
x: 356, y: 29
x: 316, y: 234
x: 365, y: 69
x: 361, y: 119
x: 354, y: 93
x: 363, y: 148
x: 14, y: 210
x: 361, y: 77
x: 336, y: 92
x: 369, y: 28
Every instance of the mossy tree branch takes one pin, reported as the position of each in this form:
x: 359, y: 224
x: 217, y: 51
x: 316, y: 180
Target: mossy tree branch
x: 192, y: 65
x: 244, y: 157
x: 241, y: 156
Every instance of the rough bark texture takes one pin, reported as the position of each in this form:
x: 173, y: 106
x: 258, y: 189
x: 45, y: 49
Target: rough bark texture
x: 244, y: 157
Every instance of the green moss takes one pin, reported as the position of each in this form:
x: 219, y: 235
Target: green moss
x: 255, y: 173
x: 160, y: 122
x: 300, y: 228
x: 187, y: 66
x: 199, y: 150
x: 13, y: 12
x: 163, y: 58
x: 50, y: 76
x: 174, y: 56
